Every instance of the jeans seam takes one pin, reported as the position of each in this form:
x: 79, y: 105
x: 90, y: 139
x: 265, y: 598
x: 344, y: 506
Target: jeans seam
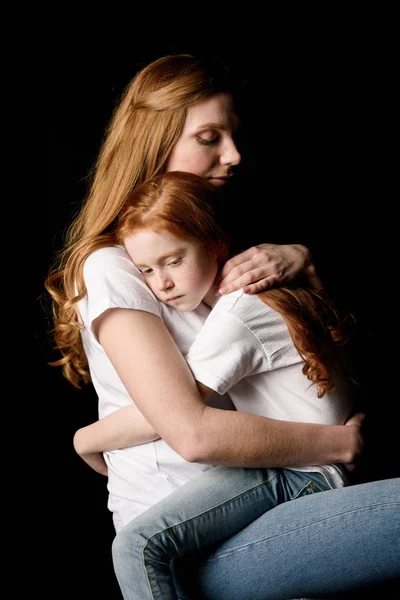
x: 209, y: 510
x: 322, y: 520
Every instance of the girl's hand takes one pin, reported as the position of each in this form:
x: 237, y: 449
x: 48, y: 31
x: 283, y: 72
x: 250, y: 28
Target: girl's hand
x: 262, y: 267
x: 96, y: 461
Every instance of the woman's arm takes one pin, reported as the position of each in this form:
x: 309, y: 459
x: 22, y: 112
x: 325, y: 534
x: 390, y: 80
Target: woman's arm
x: 262, y: 267
x: 138, y: 343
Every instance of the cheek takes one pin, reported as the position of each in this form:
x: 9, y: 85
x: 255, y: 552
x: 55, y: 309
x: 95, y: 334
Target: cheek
x: 193, y: 160
x: 150, y: 284
x: 206, y: 272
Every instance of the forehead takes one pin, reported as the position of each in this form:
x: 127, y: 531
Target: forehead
x: 147, y: 246
x: 217, y: 110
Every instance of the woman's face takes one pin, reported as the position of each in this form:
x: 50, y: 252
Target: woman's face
x: 206, y: 146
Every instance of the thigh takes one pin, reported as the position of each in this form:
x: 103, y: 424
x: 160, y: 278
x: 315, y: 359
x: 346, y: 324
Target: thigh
x: 206, y: 510
x: 321, y: 544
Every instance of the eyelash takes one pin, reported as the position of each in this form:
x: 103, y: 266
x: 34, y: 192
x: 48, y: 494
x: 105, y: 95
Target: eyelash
x: 174, y: 262
x: 206, y: 142
x: 177, y: 261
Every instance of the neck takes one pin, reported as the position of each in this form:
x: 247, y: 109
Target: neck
x: 211, y: 297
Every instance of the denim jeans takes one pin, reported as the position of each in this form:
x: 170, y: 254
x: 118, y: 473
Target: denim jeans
x: 322, y: 545
x: 207, y: 510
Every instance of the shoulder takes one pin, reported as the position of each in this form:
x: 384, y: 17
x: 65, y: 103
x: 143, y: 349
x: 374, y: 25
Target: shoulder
x: 247, y: 308
x: 261, y: 321
x: 110, y: 257
x: 112, y: 264
x: 112, y: 280
x: 232, y: 318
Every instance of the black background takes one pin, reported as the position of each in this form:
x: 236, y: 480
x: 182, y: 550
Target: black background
x: 320, y: 163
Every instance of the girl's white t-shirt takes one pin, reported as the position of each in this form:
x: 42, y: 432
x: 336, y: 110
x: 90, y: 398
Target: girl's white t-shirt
x: 142, y: 475
x: 244, y: 348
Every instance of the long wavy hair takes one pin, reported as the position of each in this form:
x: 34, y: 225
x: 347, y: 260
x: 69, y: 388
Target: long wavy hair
x: 187, y: 206
x: 138, y: 141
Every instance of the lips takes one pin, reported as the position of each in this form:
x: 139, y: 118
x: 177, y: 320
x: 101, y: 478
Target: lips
x: 220, y: 180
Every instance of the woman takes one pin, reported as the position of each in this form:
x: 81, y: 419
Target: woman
x: 159, y: 127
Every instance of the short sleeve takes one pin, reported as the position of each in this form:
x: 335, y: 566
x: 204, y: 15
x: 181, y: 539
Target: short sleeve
x: 112, y: 281
x: 224, y: 352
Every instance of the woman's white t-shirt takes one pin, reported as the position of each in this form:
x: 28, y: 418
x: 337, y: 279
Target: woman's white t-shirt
x: 142, y: 475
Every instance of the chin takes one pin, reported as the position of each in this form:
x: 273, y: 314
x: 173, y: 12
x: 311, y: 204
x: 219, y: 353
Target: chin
x: 188, y: 307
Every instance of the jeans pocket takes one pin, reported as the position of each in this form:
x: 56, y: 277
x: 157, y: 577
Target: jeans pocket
x: 316, y: 483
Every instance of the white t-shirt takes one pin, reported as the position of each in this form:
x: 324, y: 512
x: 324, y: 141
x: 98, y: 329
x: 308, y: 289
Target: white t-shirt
x: 244, y: 348
x: 139, y: 476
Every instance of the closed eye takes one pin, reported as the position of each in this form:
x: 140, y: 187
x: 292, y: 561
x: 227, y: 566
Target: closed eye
x: 175, y: 262
x: 207, y: 142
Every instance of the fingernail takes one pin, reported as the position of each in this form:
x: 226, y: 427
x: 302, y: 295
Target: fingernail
x: 222, y: 291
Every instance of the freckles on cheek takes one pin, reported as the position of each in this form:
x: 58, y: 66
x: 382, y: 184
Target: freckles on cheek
x: 202, y: 277
x: 194, y: 279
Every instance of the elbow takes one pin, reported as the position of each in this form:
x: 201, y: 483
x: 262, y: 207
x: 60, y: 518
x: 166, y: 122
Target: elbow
x: 194, y: 447
x: 78, y: 443
x: 193, y: 454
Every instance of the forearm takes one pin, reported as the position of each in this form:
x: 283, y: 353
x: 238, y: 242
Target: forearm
x: 244, y: 440
x: 121, y: 429
x: 96, y: 461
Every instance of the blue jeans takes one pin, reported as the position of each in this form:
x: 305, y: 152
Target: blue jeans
x: 207, y: 510
x: 321, y: 545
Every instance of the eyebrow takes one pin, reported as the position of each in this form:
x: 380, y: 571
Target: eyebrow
x: 211, y: 126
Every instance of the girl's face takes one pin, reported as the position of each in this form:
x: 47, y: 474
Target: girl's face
x: 179, y: 272
x: 206, y: 146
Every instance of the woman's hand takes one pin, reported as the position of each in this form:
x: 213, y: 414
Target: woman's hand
x: 262, y: 267
x: 357, y: 423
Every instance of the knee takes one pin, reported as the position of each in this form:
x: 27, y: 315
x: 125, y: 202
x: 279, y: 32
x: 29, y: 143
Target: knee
x: 126, y: 545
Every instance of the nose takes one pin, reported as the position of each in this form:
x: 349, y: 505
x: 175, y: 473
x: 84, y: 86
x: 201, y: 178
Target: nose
x: 230, y: 154
x: 164, y: 282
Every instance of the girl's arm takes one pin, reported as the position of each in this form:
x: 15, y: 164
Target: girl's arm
x: 262, y: 267
x: 122, y: 428
x: 138, y: 342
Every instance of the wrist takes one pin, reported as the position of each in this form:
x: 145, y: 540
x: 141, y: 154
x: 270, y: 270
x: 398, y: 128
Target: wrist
x: 306, y: 254
x: 352, y: 444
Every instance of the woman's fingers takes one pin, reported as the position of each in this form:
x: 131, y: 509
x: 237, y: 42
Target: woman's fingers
x: 261, y: 267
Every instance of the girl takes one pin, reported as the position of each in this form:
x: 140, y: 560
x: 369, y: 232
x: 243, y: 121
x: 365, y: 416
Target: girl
x: 278, y: 355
